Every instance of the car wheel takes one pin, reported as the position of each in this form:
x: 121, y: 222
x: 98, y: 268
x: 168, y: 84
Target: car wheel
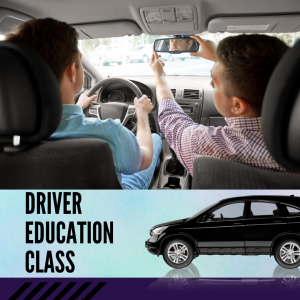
x: 145, y: 59
x: 171, y: 58
x: 128, y: 60
x: 287, y: 253
x: 178, y: 253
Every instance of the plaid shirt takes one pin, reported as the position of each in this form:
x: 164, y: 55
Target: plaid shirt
x: 240, y: 141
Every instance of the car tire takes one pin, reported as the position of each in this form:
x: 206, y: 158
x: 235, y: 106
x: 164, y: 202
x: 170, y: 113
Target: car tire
x: 283, y: 249
x: 171, y: 58
x: 128, y: 60
x: 145, y: 59
x: 184, y: 256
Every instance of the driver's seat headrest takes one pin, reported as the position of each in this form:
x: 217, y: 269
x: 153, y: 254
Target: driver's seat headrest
x: 30, y: 98
x: 281, y: 111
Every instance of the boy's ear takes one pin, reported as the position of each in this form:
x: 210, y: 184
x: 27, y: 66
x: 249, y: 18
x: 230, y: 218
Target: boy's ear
x: 239, y: 106
x: 71, y: 72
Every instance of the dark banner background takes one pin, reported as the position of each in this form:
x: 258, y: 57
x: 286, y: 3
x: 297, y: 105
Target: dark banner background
x: 149, y: 288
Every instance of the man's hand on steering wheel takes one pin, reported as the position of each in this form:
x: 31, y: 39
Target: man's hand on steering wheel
x: 120, y: 110
x: 84, y: 101
x: 143, y: 105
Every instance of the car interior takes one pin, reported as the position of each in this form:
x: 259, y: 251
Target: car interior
x: 29, y: 95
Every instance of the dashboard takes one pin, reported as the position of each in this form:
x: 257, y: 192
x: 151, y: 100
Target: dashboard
x: 193, y: 93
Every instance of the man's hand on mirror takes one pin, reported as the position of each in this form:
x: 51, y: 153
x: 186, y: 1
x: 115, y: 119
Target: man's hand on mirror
x: 157, y: 65
x: 84, y: 101
x: 208, y: 49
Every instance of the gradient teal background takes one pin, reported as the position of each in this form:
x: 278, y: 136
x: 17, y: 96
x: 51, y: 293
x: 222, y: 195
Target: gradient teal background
x: 133, y: 214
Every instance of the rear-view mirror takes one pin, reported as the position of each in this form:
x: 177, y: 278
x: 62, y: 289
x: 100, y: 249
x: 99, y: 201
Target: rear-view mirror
x: 176, y: 45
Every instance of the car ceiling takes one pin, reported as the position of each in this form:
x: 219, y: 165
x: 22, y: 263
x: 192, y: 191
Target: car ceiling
x: 93, y: 11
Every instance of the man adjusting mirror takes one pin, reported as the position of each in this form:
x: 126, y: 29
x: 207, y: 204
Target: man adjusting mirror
x: 176, y: 45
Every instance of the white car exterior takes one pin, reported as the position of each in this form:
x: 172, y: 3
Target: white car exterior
x: 103, y: 55
x: 141, y: 53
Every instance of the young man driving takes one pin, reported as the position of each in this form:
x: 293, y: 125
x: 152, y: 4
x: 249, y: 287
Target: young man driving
x: 242, y: 69
x: 135, y: 158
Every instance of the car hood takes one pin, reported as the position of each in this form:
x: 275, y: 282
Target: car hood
x: 176, y: 222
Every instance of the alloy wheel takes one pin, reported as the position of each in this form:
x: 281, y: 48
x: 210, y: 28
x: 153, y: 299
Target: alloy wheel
x: 178, y: 253
x: 290, y: 253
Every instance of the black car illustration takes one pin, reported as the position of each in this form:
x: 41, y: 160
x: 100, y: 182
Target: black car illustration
x: 251, y: 225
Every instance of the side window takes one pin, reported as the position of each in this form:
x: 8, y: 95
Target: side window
x: 293, y: 211
x: 263, y: 210
x: 232, y: 211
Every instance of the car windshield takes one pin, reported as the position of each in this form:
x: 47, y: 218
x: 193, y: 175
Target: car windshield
x: 130, y: 55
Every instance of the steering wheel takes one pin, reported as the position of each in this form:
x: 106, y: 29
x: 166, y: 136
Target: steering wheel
x: 114, y: 110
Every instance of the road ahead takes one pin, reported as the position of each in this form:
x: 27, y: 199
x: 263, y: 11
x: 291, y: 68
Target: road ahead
x: 196, y: 67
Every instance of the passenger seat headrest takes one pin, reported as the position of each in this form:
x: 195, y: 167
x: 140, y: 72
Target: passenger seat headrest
x: 281, y: 111
x: 30, y: 98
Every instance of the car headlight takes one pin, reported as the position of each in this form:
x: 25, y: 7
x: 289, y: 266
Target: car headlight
x: 159, y: 230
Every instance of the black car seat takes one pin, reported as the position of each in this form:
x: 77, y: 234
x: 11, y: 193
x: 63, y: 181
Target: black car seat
x: 281, y: 132
x: 30, y: 111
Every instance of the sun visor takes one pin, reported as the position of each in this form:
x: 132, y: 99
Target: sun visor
x: 255, y: 24
x: 10, y: 20
x: 104, y: 30
x: 171, y: 19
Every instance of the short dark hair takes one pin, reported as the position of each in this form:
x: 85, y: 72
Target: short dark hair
x: 249, y: 62
x: 55, y: 41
